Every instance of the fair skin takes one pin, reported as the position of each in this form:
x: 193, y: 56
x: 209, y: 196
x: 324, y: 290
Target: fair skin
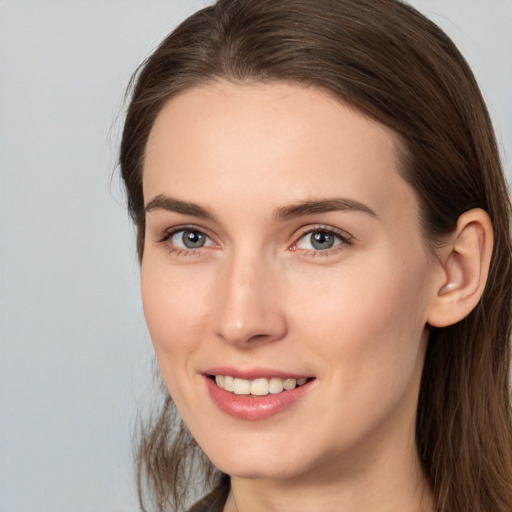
x: 340, y: 291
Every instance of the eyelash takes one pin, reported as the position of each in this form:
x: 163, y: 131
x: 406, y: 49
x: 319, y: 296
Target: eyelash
x: 181, y: 251
x: 343, y: 238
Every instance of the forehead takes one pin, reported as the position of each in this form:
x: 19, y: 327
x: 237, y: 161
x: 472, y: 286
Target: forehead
x: 280, y: 141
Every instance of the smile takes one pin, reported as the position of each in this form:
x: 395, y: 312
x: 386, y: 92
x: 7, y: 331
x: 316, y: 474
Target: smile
x: 256, y: 393
x: 257, y: 387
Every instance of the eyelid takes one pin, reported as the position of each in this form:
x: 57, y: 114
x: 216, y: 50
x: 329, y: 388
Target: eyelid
x: 344, y: 237
x: 169, y: 233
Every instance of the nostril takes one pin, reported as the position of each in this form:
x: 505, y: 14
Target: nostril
x: 257, y: 337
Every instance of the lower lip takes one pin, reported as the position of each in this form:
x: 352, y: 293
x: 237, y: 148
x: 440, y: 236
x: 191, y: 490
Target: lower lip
x: 253, y: 408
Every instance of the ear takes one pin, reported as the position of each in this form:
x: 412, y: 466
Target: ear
x: 465, y: 263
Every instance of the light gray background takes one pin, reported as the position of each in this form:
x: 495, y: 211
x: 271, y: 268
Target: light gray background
x: 75, y: 357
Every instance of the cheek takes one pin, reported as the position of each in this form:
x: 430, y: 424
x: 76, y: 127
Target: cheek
x: 366, y: 335
x: 175, y: 315
x: 366, y: 322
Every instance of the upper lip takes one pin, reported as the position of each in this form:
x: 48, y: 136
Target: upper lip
x: 254, y: 373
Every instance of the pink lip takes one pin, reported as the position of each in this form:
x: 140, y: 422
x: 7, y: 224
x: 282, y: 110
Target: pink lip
x: 252, y: 373
x: 246, y: 407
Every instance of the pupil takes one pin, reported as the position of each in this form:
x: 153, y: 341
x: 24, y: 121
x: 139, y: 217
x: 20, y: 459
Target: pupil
x: 193, y: 239
x: 322, y: 240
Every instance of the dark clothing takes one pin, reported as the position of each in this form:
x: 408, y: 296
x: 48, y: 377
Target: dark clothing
x: 213, y: 502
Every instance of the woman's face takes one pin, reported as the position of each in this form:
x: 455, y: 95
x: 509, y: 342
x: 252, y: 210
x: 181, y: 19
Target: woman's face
x: 283, y: 246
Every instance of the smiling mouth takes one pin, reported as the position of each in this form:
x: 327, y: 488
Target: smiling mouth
x: 258, y: 387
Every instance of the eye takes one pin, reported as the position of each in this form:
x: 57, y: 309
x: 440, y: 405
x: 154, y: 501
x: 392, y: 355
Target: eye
x: 320, y: 240
x: 189, y: 239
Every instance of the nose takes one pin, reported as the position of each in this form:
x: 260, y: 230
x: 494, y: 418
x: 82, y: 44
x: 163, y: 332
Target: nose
x: 248, y: 309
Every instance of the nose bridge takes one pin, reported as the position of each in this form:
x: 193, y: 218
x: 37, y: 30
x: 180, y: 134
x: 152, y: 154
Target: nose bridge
x: 248, y: 309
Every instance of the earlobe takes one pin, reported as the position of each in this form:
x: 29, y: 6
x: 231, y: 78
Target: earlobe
x: 465, y: 265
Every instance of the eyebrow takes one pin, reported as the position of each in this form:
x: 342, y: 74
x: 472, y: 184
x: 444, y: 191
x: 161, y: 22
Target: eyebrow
x: 170, y: 204
x: 322, y: 206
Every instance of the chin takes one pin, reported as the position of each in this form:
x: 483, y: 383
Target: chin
x: 256, y: 462
x: 261, y: 471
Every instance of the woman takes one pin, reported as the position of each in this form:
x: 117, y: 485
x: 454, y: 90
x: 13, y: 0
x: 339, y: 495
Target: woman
x: 323, y: 230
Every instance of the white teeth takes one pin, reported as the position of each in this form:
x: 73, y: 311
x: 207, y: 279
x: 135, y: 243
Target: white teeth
x: 242, y: 387
x: 275, y: 385
x: 289, y: 384
x: 229, y: 383
x: 257, y: 387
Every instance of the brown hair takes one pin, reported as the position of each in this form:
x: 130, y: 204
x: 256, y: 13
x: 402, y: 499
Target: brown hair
x: 393, y: 64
